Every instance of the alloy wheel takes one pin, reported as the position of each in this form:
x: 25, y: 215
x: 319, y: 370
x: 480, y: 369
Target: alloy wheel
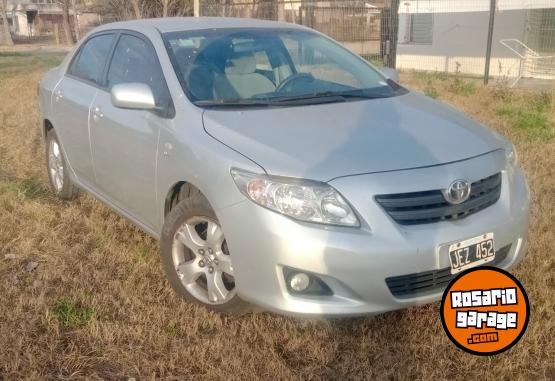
x: 202, y: 261
x: 55, y: 165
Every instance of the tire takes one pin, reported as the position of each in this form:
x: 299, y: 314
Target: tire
x: 187, y: 270
x: 61, y: 182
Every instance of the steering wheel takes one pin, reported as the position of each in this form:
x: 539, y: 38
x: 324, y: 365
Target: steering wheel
x: 286, y: 85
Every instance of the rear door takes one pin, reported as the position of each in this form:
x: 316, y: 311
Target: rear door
x: 124, y: 142
x: 72, y: 100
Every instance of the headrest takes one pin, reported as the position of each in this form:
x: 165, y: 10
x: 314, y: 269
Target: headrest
x: 241, y: 63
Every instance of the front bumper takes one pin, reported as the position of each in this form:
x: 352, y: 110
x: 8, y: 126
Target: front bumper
x: 354, y: 262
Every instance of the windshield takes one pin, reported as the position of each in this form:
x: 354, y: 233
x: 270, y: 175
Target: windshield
x: 270, y: 66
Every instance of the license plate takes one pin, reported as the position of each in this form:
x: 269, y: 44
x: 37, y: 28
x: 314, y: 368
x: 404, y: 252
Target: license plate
x: 471, y: 252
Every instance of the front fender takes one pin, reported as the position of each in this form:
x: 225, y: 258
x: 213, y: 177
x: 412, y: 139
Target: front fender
x: 186, y: 153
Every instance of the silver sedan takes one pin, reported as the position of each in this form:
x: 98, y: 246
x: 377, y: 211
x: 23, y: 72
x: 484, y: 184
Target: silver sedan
x: 277, y: 169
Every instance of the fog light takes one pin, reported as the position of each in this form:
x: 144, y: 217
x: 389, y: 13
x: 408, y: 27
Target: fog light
x: 299, y: 282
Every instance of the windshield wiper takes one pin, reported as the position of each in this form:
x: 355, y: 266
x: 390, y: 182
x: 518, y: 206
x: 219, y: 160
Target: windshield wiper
x: 322, y: 97
x: 341, y: 95
x: 232, y: 103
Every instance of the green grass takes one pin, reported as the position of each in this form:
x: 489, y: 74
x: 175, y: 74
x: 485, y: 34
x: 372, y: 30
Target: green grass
x: 506, y: 111
x: 172, y: 330
x: 529, y: 114
x: 502, y: 93
x: 431, y: 91
x: 70, y: 314
x: 377, y: 62
x: 530, y: 117
x: 16, y: 62
x: 462, y: 87
x: 143, y: 252
x: 27, y: 188
x: 535, y: 124
x: 433, y: 76
x: 432, y: 82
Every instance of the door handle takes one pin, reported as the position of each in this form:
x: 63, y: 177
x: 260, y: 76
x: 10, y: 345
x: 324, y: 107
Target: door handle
x: 58, y: 95
x: 97, y: 113
x: 167, y: 148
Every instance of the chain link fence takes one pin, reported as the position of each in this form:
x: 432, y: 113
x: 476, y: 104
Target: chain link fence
x: 359, y: 25
x: 514, y: 43
x: 426, y: 35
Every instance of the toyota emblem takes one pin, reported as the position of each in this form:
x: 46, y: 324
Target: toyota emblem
x: 458, y: 192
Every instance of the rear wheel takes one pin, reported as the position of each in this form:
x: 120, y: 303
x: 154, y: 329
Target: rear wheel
x: 195, y: 255
x: 58, y: 171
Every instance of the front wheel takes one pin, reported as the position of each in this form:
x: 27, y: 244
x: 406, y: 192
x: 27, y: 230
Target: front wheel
x: 196, y: 259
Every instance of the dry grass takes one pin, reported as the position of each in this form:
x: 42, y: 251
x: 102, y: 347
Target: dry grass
x: 97, y: 304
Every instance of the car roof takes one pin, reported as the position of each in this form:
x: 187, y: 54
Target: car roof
x: 174, y: 24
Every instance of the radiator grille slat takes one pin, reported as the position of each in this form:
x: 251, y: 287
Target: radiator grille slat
x: 419, y: 284
x: 430, y: 206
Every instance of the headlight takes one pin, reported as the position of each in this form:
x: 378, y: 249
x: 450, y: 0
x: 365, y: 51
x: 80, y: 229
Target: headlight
x: 510, y: 153
x: 300, y: 199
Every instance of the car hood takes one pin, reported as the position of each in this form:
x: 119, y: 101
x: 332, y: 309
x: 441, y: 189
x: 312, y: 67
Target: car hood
x: 326, y: 141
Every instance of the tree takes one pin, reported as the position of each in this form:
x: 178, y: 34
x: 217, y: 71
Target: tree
x: 75, y: 20
x: 5, y: 26
x: 169, y: 8
x: 137, y: 8
x: 65, y: 21
x: 111, y: 9
x: 165, y: 7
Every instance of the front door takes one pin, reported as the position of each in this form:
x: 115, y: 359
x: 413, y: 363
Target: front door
x: 72, y: 100
x: 124, y: 142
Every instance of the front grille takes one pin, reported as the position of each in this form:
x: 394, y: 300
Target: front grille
x: 430, y: 206
x: 429, y: 282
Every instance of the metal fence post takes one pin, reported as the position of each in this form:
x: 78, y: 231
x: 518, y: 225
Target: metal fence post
x: 394, y: 35
x: 490, y: 38
x: 389, y: 33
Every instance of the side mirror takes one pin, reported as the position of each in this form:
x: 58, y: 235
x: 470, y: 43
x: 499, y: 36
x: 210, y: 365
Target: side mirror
x: 135, y: 96
x: 390, y: 73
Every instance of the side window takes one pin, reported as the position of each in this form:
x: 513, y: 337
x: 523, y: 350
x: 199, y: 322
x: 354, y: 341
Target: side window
x: 134, y: 60
x: 89, y: 64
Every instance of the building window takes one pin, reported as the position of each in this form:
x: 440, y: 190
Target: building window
x: 541, y: 30
x: 417, y: 28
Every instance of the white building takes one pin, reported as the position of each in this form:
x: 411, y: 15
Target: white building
x: 29, y: 18
x: 451, y: 36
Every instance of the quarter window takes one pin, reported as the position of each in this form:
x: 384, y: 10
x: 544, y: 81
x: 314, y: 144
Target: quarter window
x: 89, y: 64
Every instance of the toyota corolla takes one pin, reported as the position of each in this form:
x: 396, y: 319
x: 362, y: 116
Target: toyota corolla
x: 278, y: 169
